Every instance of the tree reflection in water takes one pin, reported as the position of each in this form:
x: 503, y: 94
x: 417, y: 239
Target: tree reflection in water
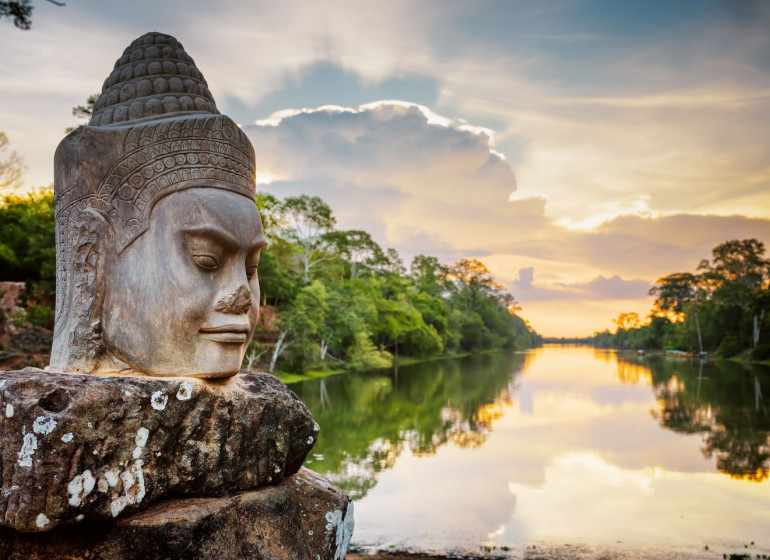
x: 368, y: 419
x: 721, y: 400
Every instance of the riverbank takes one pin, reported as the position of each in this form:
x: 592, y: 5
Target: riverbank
x: 743, y: 358
x: 288, y: 377
x: 399, y: 555
x: 578, y: 552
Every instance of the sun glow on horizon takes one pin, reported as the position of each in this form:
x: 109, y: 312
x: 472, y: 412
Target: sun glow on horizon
x: 580, y: 318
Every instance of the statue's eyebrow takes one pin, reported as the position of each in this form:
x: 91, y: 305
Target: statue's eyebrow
x: 259, y: 243
x: 222, y: 237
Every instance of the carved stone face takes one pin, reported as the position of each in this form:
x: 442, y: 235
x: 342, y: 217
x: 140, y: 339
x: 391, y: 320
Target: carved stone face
x: 183, y: 298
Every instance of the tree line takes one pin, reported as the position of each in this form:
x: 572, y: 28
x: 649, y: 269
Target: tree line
x: 338, y: 299
x: 720, y: 308
x: 330, y: 298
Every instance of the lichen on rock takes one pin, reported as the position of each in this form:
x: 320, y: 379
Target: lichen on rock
x: 86, y: 447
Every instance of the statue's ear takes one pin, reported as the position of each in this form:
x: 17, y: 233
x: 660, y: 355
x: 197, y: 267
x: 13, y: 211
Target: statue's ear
x: 88, y: 248
x: 93, y: 257
x: 95, y: 243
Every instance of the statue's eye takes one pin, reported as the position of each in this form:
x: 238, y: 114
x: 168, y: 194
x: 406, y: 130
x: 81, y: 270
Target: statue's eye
x: 251, y: 271
x: 206, y: 262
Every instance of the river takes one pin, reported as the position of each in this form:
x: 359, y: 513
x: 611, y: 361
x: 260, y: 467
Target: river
x: 560, y: 452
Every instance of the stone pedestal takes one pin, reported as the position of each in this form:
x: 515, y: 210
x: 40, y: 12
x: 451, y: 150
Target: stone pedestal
x: 80, y: 448
x: 304, y: 517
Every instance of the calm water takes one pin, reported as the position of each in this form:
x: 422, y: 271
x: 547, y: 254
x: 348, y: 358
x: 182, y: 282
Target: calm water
x: 574, y: 451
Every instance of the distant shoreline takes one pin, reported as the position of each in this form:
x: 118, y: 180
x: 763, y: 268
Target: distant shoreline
x: 577, y: 553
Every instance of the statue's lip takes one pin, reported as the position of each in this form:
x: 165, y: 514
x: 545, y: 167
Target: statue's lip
x: 237, y: 333
x: 232, y: 327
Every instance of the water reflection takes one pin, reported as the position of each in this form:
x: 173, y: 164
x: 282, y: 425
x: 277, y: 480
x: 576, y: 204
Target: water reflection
x: 369, y: 419
x: 556, y: 448
x: 721, y: 401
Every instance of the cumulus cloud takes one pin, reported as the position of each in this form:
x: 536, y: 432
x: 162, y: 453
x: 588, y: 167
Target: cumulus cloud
x: 399, y: 169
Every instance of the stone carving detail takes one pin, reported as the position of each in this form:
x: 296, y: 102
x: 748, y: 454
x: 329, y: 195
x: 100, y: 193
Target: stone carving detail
x: 110, y: 174
x: 154, y: 77
x: 161, y: 159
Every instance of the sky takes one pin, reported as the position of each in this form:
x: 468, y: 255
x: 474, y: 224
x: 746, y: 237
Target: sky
x: 581, y: 149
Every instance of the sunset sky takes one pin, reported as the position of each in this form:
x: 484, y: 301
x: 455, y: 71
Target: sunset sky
x: 580, y: 148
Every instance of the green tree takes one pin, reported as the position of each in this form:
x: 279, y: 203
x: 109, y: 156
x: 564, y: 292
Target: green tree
x: 354, y: 311
x: 358, y: 248
x: 277, y: 286
x: 473, y: 281
x: 482, y: 310
x: 678, y: 294
x: 675, y: 293
x: 393, y: 264
x: 429, y: 275
x: 299, y: 327
x: 737, y: 264
x: 27, y: 237
x: 399, y: 323
x: 269, y: 210
x: 306, y: 222
x: 726, y: 302
x: 435, y: 313
x: 277, y: 279
x: 363, y: 354
x: 739, y: 276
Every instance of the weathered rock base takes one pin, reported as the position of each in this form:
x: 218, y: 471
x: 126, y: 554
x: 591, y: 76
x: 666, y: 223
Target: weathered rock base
x: 77, y: 447
x: 305, y: 517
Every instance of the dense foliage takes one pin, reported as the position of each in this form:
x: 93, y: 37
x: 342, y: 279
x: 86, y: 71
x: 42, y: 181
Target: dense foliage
x: 28, y: 254
x: 27, y: 238
x: 721, y: 308
x: 340, y: 298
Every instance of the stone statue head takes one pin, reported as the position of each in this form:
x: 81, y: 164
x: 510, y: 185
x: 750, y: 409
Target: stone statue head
x: 157, y: 233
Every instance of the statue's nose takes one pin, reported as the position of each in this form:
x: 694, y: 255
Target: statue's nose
x: 237, y: 303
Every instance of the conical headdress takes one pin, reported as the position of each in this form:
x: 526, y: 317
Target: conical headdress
x: 155, y: 130
x: 155, y: 77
